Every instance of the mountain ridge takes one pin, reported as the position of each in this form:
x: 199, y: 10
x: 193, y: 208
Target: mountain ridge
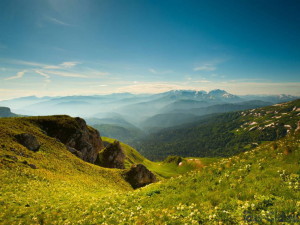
x: 223, y: 135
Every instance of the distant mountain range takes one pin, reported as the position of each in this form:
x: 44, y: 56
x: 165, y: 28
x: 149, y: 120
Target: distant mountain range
x: 147, y: 112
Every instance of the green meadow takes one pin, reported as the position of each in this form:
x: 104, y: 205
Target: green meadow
x: 52, y: 186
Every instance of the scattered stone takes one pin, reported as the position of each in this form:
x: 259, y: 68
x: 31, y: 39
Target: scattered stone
x: 29, y: 141
x: 139, y: 176
x: 14, y: 158
x: 19, y: 152
x: 32, y: 166
x: 287, y: 150
x: 29, y: 164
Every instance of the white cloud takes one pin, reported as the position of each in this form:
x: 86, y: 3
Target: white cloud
x: 63, y: 69
x: 57, y: 21
x: 32, y: 64
x: 18, y: 75
x: 21, y: 62
x: 51, y: 67
x: 152, y: 87
x: 46, y: 66
x: 47, y: 77
x: 42, y: 74
x: 69, y: 64
x: 66, y: 74
x: 206, y: 67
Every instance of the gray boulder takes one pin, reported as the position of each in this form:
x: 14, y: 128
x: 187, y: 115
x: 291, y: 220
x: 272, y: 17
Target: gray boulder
x: 80, y: 139
x: 112, y: 156
x: 29, y: 141
x: 139, y: 176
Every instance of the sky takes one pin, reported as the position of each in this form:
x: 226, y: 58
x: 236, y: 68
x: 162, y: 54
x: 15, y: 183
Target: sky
x: 85, y: 47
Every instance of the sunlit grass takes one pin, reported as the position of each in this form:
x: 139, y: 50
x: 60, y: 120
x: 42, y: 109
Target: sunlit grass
x: 260, y: 186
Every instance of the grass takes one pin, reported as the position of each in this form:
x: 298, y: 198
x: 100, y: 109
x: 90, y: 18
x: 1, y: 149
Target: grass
x: 60, y: 176
x: 161, y: 169
x: 260, y: 186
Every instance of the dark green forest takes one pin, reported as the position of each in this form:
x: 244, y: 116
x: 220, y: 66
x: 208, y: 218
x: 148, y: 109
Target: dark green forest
x: 222, y: 135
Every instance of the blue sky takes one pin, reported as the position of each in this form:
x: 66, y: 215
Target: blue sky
x: 71, y: 47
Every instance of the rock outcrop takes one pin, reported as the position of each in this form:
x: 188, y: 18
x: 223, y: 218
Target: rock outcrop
x: 80, y: 139
x: 139, y: 176
x: 29, y: 141
x: 5, y: 112
x: 112, y: 156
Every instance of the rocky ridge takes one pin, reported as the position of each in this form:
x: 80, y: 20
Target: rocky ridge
x: 80, y: 139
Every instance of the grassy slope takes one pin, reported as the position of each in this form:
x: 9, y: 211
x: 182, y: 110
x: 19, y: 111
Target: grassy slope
x: 60, y: 177
x: 164, y: 170
x: 258, y: 186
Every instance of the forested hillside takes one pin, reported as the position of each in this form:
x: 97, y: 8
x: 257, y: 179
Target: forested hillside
x: 225, y: 134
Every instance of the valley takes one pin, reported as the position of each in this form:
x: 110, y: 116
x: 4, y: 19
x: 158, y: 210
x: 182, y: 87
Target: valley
x: 253, y: 178
x: 149, y: 112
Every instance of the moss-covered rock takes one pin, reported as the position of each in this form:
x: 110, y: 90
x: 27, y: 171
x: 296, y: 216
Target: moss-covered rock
x: 80, y: 139
x: 139, y: 176
x: 112, y: 156
x: 29, y: 141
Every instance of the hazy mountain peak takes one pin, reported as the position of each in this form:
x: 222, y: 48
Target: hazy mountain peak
x: 218, y: 92
x: 201, y: 92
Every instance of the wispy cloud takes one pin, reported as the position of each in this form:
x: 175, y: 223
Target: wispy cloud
x: 47, y: 77
x: 25, y: 63
x: 51, y: 67
x: 62, y: 69
x: 57, y: 21
x: 31, y: 64
x: 42, y: 74
x: 205, y: 67
x: 66, y: 74
x: 69, y: 64
x: 160, y: 72
x: 18, y: 75
x: 152, y: 87
x: 210, y: 65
